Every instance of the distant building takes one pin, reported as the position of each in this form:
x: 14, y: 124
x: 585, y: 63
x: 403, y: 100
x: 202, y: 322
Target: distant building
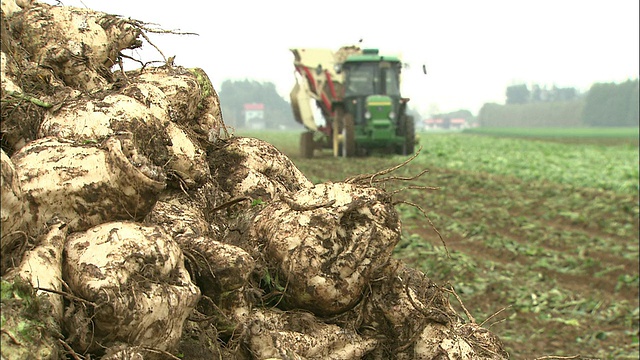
x: 445, y: 123
x: 254, y: 116
x: 458, y: 123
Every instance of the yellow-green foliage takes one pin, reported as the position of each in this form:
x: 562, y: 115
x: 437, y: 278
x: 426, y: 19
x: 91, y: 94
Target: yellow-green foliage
x: 27, y: 327
x: 203, y: 81
x: 544, y: 114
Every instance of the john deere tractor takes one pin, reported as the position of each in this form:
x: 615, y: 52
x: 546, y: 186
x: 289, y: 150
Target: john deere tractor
x: 357, y: 92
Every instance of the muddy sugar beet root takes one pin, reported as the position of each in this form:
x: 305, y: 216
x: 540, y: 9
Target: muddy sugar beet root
x: 85, y: 185
x: 327, y: 242
x: 14, y: 213
x: 136, y: 275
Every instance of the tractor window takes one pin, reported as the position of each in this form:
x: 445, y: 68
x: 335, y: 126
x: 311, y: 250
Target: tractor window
x: 391, y: 77
x: 360, y: 79
x: 369, y: 78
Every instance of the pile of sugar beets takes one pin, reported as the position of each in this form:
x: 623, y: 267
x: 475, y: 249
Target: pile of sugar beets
x: 134, y: 226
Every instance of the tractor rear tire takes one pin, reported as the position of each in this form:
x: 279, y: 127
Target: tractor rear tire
x: 409, y: 136
x: 306, y: 145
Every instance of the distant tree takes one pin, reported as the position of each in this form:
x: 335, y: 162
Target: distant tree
x: 446, y: 122
x: 413, y: 112
x: 634, y: 104
x: 234, y: 94
x: 566, y: 94
x: 458, y: 114
x: 541, y: 94
x: 433, y: 110
x: 536, y: 93
x: 461, y: 114
x: 539, y: 114
x: 517, y: 94
x: 610, y: 104
x: 561, y: 94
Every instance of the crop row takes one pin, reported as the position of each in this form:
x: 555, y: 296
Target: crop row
x: 510, y: 247
x: 586, y: 166
x: 630, y: 133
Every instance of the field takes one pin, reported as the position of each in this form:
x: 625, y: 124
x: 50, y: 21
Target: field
x: 542, y: 235
x: 592, y: 135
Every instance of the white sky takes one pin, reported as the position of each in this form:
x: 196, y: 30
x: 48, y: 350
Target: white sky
x: 472, y: 49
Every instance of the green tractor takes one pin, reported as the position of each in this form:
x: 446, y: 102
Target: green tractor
x: 358, y: 94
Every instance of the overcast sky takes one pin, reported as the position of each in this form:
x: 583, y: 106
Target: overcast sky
x: 472, y: 49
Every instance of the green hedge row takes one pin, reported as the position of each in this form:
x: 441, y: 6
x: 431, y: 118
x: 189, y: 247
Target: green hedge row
x: 552, y: 114
x: 606, y: 104
x: 612, y: 105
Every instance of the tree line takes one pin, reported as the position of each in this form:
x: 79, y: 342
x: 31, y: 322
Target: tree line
x: 520, y: 94
x: 605, y: 104
x: 234, y: 94
x: 610, y: 104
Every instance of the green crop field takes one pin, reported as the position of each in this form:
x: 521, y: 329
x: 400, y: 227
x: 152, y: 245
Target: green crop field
x: 542, y: 232
x: 585, y: 132
x: 593, y: 135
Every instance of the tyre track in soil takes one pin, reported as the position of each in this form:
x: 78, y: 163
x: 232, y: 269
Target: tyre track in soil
x: 585, y: 284
x: 485, y: 201
x: 546, y: 336
x: 500, y: 188
x: 491, y: 196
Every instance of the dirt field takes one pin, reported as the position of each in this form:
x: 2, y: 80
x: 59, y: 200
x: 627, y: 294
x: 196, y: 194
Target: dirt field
x: 551, y: 268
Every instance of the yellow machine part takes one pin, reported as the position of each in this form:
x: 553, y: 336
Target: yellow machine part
x: 317, y: 78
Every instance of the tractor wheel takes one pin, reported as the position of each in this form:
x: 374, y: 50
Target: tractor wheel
x: 400, y: 131
x: 306, y: 145
x: 409, y: 136
x: 348, y: 137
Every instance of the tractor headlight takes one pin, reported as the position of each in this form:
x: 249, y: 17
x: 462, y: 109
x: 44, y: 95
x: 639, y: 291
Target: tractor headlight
x: 392, y: 115
x: 367, y: 115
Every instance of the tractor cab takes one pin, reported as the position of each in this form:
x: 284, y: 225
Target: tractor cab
x: 372, y: 100
x: 371, y: 74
